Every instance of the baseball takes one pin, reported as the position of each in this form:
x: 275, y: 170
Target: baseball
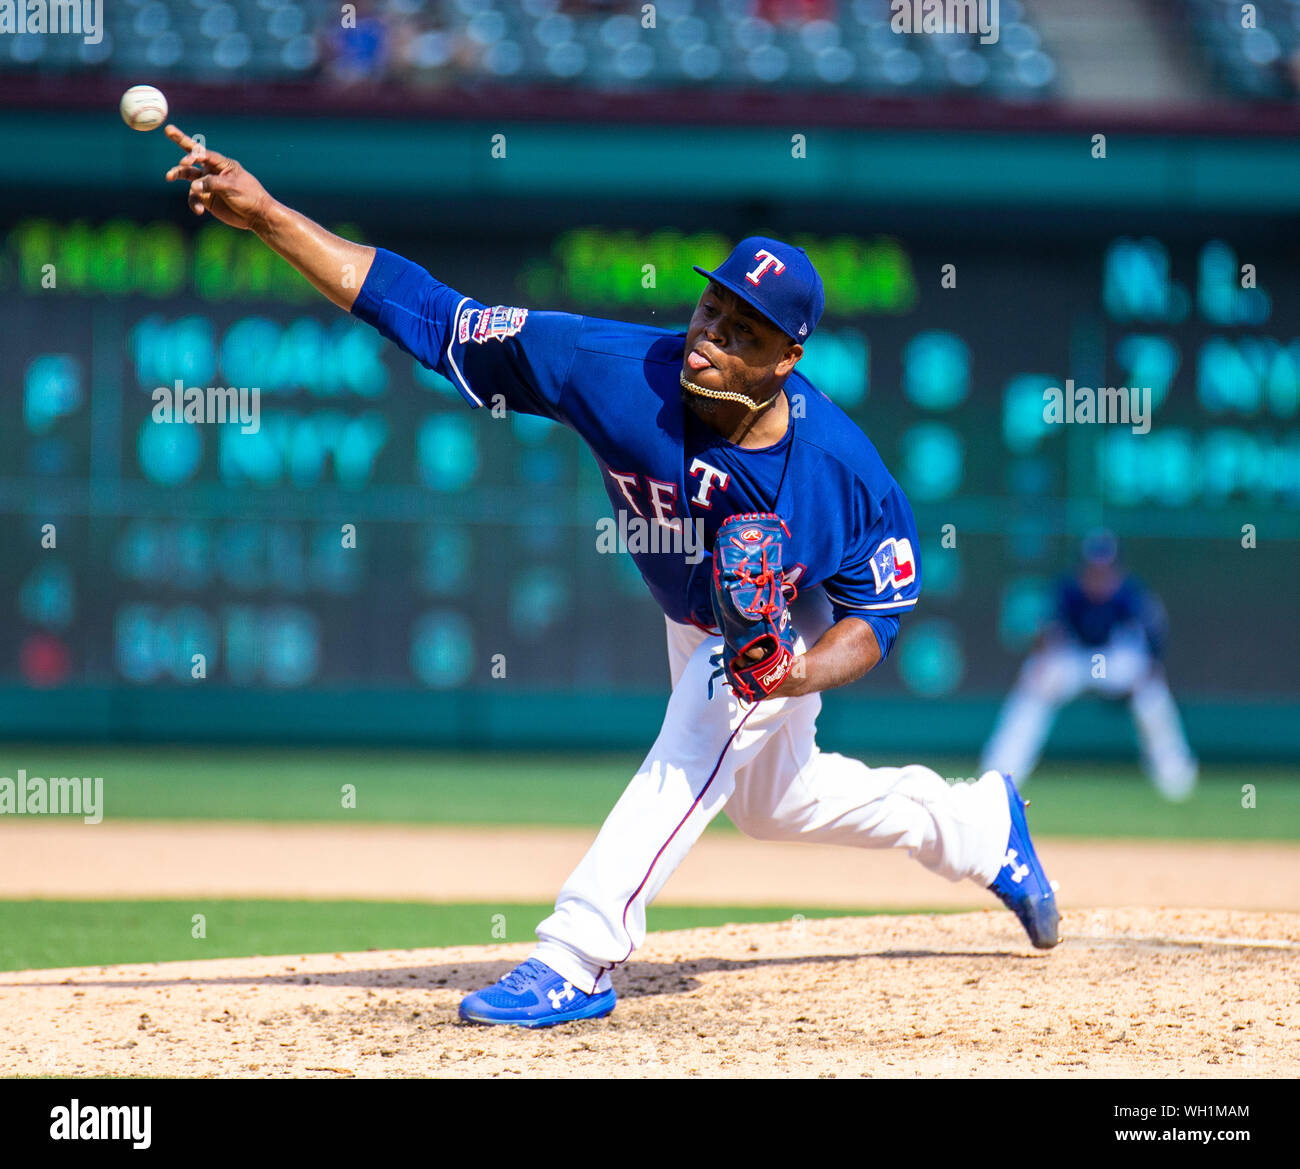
x: 143, y: 107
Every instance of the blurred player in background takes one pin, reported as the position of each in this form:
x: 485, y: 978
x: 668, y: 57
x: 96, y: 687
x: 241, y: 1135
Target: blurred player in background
x: 1107, y: 635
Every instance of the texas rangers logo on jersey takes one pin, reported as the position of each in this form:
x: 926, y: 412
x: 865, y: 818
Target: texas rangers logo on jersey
x: 892, y: 564
x: 490, y: 324
x: 710, y: 477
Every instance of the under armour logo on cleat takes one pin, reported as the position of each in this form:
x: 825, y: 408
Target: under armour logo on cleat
x: 561, y: 996
x: 1018, y: 872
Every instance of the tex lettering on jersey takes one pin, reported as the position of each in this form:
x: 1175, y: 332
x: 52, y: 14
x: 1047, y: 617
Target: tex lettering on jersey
x: 659, y: 497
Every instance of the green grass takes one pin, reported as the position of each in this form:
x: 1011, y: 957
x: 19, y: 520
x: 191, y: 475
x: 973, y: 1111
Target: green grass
x: 1095, y: 802
x: 165, y: 782
x: 293, y: 784
x: 43, y: 934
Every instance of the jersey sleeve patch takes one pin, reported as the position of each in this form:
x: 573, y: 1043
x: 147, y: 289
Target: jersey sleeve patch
x: 892, y: 564
x: 480, y: 324
x: 515, y: 355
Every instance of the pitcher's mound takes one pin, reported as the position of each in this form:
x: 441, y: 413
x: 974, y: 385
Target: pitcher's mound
x: 1130, y: 992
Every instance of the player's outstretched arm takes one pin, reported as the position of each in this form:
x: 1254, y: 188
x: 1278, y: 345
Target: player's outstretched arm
x: 336, y: 267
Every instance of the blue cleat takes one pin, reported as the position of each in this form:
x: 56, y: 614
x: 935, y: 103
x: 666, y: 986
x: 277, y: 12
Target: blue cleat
x: 1021, y: 885
x: 533, y: 995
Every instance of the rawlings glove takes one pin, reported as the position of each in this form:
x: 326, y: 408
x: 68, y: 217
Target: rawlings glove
x: 750, y: 602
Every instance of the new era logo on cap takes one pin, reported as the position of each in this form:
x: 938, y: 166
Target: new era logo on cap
x: 776, y: 278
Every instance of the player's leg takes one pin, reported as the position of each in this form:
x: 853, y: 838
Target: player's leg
x: 794, y: 791
x: 687, y: 776
x: 683, y: 783
x: 1128, y: 669
x: 1166, y: 753
x: 1048, y: 680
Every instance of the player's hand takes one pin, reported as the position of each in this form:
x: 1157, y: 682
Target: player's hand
x: 218, y: 184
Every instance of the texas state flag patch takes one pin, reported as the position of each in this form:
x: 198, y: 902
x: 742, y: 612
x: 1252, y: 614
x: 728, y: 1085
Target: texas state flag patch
x: 893, y: 565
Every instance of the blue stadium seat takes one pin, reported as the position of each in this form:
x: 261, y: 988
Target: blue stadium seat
x: 694, y: 43
x: 1253, y: 63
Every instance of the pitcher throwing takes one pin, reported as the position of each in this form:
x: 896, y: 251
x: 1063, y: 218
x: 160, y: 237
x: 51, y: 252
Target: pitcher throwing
x: 715, y: 428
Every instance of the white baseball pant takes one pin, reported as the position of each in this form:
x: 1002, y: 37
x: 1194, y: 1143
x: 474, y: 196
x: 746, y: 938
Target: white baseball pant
x: 1058, y: 673
x: 761, y: 762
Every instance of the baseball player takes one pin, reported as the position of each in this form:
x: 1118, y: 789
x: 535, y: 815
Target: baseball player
x: 712, y: 427
x: 1107, y: 635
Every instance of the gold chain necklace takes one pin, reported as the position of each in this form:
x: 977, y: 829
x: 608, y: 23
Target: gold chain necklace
x: 727, y: 395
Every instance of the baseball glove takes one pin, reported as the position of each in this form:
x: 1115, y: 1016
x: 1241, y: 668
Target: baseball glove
x: 751, y: 603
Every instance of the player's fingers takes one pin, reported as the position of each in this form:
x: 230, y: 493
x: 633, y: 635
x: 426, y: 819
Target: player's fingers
x: 196, y: 151
x: 197, y: 160
x: 200, y: 197
x: 211, y: 159
x: 177, y: 135
x: 184, y: 172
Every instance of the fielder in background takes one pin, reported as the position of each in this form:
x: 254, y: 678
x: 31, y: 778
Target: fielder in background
x: 1107, y: 636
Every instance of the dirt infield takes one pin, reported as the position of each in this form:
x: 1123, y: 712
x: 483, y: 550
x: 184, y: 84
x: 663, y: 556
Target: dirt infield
x: 1187, y: 987
x: 1129, y: 992
x: 443, y: 863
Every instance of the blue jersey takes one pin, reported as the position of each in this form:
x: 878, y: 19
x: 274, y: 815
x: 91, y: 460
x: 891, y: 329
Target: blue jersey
x: 1130, y: 608
x: 617, y: 385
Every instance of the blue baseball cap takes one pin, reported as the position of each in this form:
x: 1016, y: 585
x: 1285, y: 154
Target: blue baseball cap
x: 776, y: 278
x: 1100, y: 547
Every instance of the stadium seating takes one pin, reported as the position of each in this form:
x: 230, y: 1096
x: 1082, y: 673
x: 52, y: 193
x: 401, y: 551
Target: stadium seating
x: 1249, y: 62
x: 814, y: 45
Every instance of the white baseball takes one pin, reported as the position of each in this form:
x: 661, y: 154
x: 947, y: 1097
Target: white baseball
x: 144, y: 107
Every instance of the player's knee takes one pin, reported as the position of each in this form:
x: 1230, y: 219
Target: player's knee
x: 770, y: 825
x: 920, y: 783
x: 755, y: 827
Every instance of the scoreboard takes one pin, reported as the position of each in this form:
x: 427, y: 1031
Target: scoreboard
x: 373, y: 532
